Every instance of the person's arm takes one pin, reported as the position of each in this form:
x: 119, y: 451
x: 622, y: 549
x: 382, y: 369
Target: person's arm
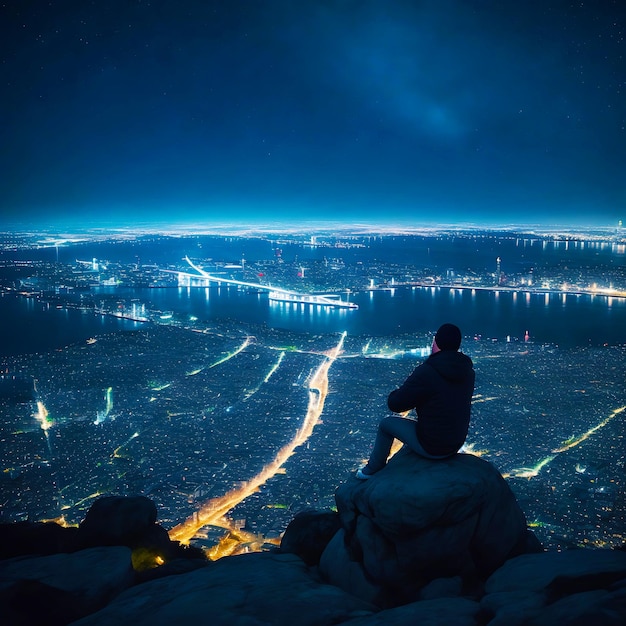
x: 410, y: 394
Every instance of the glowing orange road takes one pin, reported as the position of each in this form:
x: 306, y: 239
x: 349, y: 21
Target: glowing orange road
x: 213, y: 510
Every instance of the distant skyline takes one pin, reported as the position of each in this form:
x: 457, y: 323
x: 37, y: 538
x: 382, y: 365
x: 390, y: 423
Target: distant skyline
x: 380, y: 111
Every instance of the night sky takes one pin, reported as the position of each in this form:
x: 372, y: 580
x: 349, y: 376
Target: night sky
x: 383, y: 111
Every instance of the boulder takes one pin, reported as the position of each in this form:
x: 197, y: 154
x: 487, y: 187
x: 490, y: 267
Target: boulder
x: 417, y: 520
x: 308, y: 534
x: 448, y: 612
x: 574, y: 586
x: 82, y: 582
x: 26, y: 602
x: 41, y: 538
x: 258, y: 588
x: 560, y: 573
x: 117, y: 521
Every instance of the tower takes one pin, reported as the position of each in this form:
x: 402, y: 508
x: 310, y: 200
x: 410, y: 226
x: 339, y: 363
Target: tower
x: 498, y: 270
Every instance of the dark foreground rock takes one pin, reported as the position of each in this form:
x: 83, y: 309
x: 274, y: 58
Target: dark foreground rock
x: 577, y: 586
x: 449, y: 535
x: 419, y: 520
x: 61, y: 587
x: 309, y: 533
x: 258, y: 588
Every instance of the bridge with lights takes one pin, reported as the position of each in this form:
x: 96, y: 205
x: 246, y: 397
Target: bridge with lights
x: 275, y: 294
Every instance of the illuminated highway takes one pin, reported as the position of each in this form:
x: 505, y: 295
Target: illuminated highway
x: 234, y: 353
x: 531, y: 472
x: 44, y: 420
x: 273, y: 369
x: 212, y: 512
x: 102, y: 415
x: 92, y: 496
x: 42, y: 416
x: 116, y: 452
x: 563, y: 290
x: 574, y: 441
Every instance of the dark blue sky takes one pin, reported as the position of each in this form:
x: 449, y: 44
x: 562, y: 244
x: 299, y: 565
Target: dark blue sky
x: 387, y: 110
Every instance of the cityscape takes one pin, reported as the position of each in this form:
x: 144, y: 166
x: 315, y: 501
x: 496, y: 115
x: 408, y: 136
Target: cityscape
x: 235, y: 419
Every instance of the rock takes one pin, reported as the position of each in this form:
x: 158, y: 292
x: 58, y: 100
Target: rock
x: 598, y: 607
x: 342, y: 571
x: 41, y: 538
x: 88, y: 579
x: 32, y: 602
x: 512, y: 608
x: 117, y: 521
x: 418, y: 519
x: 174, y: 567
x: 257, y: 588
x: 442, y: 588
x: 152, y: 547
x: 575, y: 586
x: 429, y: 538
x: 308, y: 534
x: 442, y: 612
x: 558, y: 573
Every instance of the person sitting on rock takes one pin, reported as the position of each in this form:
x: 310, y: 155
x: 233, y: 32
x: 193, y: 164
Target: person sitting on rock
x: 440, y: 390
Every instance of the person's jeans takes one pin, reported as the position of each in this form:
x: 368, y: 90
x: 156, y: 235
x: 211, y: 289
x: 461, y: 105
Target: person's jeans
x: 391, y: 428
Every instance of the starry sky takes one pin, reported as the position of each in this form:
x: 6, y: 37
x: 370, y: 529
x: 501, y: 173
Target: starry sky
x: 420, y: 111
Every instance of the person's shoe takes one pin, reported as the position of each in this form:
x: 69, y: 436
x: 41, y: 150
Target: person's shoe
x: 361, y: 475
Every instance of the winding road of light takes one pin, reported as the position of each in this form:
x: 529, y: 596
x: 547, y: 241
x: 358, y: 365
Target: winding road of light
x: 572, y: 443
x: 45, y: 422
x: 116, y: 452
x: 274, y: 367
x: 213, y: 510
x: 531, y: 472
x: 102, y: 415
x: 230, y: 355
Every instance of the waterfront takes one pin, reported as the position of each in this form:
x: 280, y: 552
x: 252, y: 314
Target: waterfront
x: 493, y: 285
x: 567, y: 320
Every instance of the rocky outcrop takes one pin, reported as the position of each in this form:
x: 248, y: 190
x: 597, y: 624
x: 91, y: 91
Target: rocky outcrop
x: 117, y: 521
x: 309, y: 533
x: 257, y: 588
x: 421, y: 542
x: 419, y: 520
x: 78, y: 570
x: 39, y: 538
x: 576, y: 586
x: 72, y: 584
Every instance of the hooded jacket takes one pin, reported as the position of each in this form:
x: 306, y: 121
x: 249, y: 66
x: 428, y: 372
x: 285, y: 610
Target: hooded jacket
x: 440, y: 390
